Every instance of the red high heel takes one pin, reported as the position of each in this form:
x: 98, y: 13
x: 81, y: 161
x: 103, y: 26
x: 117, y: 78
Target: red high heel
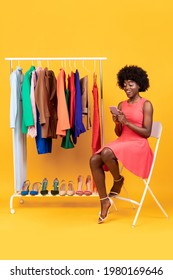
x: 80, y: 185
x: 88, y: 186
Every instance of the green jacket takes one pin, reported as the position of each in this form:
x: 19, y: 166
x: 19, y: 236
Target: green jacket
x: 27, y: 116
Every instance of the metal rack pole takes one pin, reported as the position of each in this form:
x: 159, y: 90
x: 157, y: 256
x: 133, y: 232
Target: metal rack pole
x: 56, y: 58
x: 101, y: 103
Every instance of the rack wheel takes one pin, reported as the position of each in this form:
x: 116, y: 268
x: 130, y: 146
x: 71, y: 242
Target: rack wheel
x: 21, y: 201
x: 12, y: 211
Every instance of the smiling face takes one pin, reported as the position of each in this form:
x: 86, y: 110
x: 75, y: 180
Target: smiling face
x: 131, y: 89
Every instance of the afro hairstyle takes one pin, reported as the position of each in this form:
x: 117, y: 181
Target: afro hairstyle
x: 133, y: 73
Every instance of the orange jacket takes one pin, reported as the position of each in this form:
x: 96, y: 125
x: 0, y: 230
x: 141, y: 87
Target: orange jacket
x: 63, y: 122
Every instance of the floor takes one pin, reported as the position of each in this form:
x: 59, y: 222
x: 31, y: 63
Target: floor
x: 66, y: 228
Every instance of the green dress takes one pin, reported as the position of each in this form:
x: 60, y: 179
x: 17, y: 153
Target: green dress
x: 66, y: 141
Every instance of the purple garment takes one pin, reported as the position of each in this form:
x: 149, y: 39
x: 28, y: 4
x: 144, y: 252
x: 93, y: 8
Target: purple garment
x: 78, y: 125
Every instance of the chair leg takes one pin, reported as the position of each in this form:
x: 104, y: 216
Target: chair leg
x: 128, y: 197
x: 141, y: 203
x: 160, y: 206
x: 140, y: 206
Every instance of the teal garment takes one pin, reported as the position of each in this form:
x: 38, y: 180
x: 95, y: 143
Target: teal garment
x: 66, y: 141
x: 27, y: 116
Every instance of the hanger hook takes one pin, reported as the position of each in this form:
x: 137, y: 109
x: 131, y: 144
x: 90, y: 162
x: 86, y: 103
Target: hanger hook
x: 69, y: 63
x: 86, y: 69
x: 75, y: 64
x: 65, y: 65
x: 39, y: 63
x: 94, y: 65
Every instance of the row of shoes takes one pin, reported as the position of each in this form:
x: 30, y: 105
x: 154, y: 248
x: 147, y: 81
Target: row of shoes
x: 59, y: 188
x: 68, y: 189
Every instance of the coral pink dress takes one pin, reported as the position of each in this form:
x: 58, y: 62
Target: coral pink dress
x: 130, y: 148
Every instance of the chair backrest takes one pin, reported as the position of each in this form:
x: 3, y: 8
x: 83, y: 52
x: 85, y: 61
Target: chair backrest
x: 156, y: 130
x: 156, y: 133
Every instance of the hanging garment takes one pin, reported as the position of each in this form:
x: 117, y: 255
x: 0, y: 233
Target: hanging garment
x: 32, y: 130
x: 27, y: 119
x: 66, y: 141
x: 43, y: 145
x: 85, y: 101
x: 52, y: 89
x: 130, y: 148
x: 46, y: 101
x: 19, y: 139
x: 96, y: 134
x: 78, y: 125
x: 63, y: 122
x: 71, y: 87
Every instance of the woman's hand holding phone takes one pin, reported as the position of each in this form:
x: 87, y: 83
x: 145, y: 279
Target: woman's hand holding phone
x: 114, y: 110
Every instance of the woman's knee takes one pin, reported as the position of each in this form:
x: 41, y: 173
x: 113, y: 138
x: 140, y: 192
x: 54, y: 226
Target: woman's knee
x: 107, y: 154
x: 95, y: 160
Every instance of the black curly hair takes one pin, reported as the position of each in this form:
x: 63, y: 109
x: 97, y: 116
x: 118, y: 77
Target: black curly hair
x: 133, y: 73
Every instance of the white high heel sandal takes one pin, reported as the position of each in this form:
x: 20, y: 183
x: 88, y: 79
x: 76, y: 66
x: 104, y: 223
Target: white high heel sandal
x: 114, y: 194
x: 101, y: 220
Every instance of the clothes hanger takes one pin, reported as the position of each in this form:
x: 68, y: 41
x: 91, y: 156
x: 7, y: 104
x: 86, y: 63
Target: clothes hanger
x: 75, y: 66
x: 62, y: 65
x: 39, y: 63
x: 94, y: 66
x: 65, y: 65
x: 69, y: 64
x: 85, y: 68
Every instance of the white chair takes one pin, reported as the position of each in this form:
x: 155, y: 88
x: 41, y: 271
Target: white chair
x: 155, y: 133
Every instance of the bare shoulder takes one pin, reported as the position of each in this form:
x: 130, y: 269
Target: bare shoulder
x: 120, y: 105
x: 148, y: 105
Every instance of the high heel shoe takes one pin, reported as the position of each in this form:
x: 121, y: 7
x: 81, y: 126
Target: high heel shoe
x: 35, y: 188
x: 55, y: 190
x: 25, y: 187
x: 101, y: 219
x: 70, y: 190
x: 88, y: 186
x: 62, y: 188
x: 116, y: 189
x: 80, y: 185
x: 44, y: 190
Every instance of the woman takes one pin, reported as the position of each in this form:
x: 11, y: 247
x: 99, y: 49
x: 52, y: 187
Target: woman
x: 133, y: 126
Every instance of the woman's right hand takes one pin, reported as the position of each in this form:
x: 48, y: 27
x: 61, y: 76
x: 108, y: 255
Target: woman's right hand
x: 122, y: 118
x: 115, y: 118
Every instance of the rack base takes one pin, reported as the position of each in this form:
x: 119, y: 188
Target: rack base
x: 21, y: 197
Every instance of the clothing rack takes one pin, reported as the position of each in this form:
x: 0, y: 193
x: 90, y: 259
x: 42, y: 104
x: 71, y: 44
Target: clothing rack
x: 100, y: 59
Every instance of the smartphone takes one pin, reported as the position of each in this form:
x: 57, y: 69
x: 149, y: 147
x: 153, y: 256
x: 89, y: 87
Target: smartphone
x: 114, y: 110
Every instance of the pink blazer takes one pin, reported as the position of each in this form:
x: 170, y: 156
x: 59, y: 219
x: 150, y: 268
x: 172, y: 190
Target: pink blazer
x: 32, y: 130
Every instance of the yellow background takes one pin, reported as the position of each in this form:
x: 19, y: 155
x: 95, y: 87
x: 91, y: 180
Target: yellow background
x: 126, y: 32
